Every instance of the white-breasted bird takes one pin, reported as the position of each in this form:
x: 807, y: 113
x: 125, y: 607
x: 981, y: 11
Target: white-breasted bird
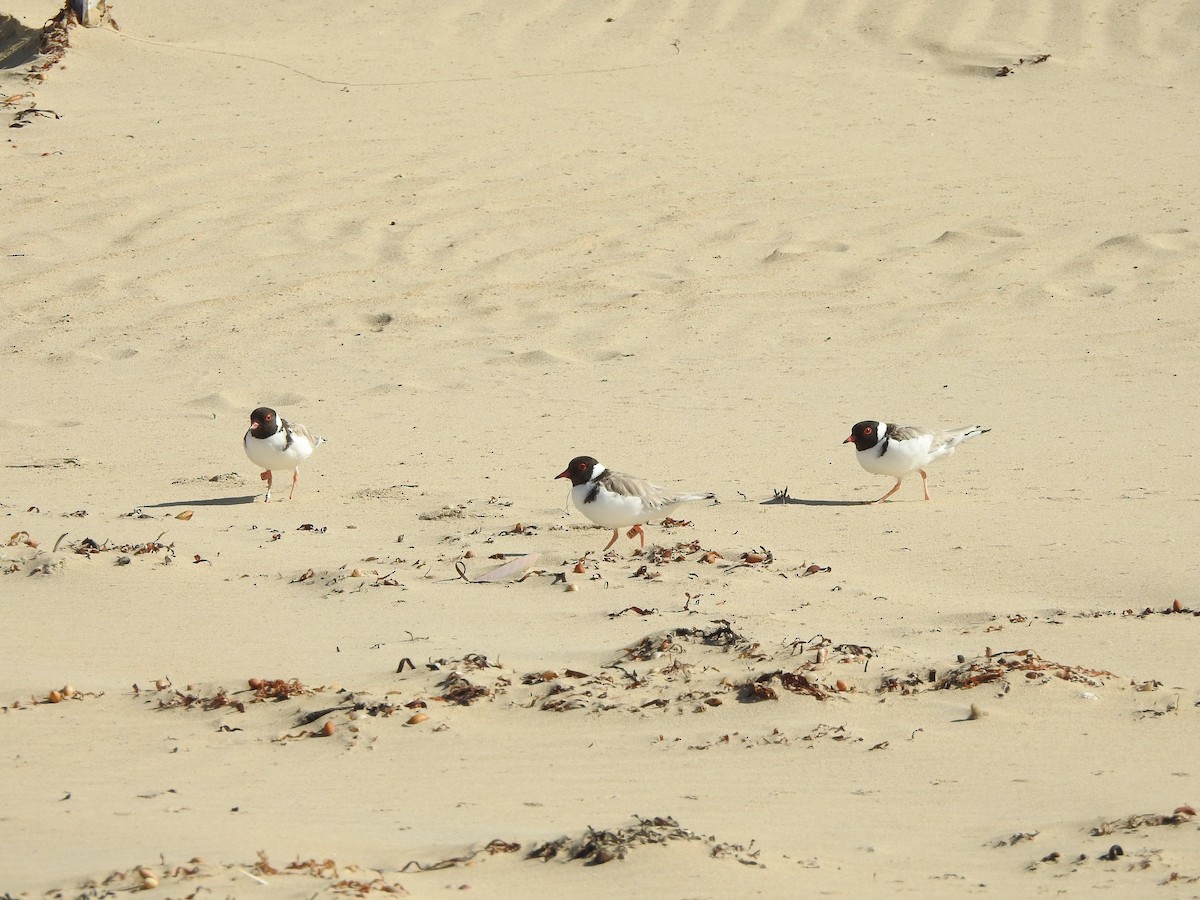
x: 900, y: 450
x: 615, y: 500
x: 275, y: 444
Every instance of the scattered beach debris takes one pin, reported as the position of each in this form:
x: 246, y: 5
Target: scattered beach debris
x: 654, y: 645
x: 28, y: 114
x: 1180, y: 815
x: 518, y: 566
x: 491, y: 848
x: 1151, y: 858
x: 21, y: 538
x: 338, y: 579
x: 658, y: 556
x: 41, y: 562
x: 89, y: 548
x: 457, y: 689
x: 55, y: 695
x: 446, y: 512
x: 753, y: 557
x: 760, y: 688
x: 63, y: 462
x: 1005, y: 71
x: 835, y: 733
x: 995, y: 666
x: 598, y: 846
x: 521, y: 529
x: 1177, y: 607
x: 329, y: 729
x: 668, y: 522
x: 55, y: 39
x: 636, y: 610
x: 263, y: 689
x: 705, y: 684
x: 363, y: 882
x: 224, y: 477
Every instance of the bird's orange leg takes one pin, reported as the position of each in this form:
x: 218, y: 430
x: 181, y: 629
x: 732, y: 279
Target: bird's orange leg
x: 266, y: 476
x: 895, y: 487
x: 616, y: 534
x: 924, y: 483
x: 636, y: 529
x: 295, y: 478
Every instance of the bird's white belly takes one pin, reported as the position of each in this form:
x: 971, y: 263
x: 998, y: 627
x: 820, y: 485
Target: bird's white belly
x: 614, y: 510
x: 901, y: 458
x: 270, y: 453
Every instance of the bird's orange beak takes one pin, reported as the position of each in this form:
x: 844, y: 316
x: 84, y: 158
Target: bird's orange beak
x: 565, y: 473
x: 849, y: 440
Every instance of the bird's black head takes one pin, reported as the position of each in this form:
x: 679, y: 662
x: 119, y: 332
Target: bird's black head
x: 865, y: 435
x: 579, y: 470
x: 264, y: 422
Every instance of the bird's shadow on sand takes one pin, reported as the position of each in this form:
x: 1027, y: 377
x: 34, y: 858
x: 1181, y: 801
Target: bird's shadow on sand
x: 211, y: 501
x: 782, y: 498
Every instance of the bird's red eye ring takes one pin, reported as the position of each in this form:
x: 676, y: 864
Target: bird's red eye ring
x: 581, y: 466
x: 268, y: 417
x: 866, y: 430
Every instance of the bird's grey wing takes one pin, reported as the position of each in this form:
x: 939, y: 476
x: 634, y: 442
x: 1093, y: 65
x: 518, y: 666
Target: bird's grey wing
x: 632, y: 486
x: 294, y: 428
x: 907, y: 432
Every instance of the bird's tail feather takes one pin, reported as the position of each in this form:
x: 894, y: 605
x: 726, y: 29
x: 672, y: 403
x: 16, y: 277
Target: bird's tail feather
x: 968, y: 432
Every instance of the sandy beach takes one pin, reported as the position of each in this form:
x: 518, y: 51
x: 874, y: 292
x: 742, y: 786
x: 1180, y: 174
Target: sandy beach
x: 466, y: 242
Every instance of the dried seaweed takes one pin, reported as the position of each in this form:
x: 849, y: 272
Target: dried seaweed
x: 263, y: 690
x: 492, y: 848
x: 995, y: 666
x: 1005, y: 71
x: 596, y: 847
x: 655, y: 645
x: 88, y: 547
x: 760, y: 688
x: 457, y: 689
x: 1181, y: 815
